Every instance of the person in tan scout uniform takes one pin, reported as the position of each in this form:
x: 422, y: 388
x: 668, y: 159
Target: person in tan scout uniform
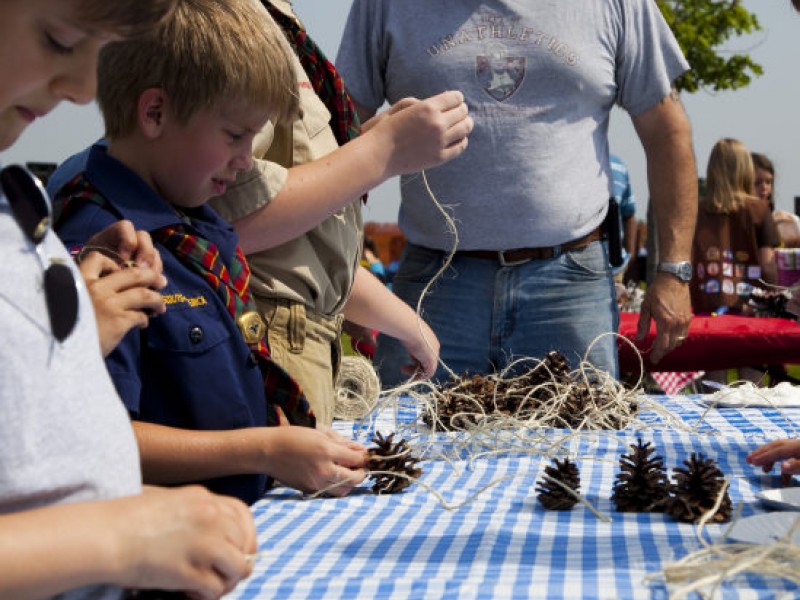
x: 298, y: 215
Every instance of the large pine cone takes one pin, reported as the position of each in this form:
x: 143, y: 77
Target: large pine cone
x: 553, y: 496
x: 695, y: 490
x: 642, y: 484
x: 394, y: 457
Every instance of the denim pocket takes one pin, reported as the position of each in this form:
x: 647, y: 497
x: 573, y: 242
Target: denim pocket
x: 588, y: 262
x: 418, y: 264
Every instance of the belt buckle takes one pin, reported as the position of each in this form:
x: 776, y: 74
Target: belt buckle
x: 501, y: 257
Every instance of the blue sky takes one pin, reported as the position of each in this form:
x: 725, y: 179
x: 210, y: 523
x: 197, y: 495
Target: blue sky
x: 765, y: 115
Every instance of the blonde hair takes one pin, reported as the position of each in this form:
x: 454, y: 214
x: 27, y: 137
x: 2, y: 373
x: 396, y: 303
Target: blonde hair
x: 208, y: 52
x: 730, y: 177
x: 124, y: 17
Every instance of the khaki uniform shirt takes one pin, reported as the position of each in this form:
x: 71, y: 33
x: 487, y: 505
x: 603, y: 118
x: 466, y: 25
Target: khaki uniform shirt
x: 316, y: 269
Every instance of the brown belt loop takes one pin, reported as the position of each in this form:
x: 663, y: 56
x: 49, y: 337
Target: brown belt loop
x: 518, y: 256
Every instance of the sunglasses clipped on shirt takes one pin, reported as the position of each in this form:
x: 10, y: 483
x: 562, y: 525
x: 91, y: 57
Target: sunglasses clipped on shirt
x: 30, y: 207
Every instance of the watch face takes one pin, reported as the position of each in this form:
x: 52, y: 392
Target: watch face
x: 681, y: 270
x: 685, y: 271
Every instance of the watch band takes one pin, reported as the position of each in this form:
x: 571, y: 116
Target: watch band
x: 682, y: 270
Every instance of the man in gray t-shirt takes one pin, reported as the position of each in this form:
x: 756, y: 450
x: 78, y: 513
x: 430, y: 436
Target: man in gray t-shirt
x: 530, y: 194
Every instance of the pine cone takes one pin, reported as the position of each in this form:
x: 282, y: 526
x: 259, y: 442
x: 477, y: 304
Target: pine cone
x: 394, y: 457
x: 553, y: 496
x: 695, y: 490
x: 462, y: 401
x: 642, y: 484
x: 553, y: 367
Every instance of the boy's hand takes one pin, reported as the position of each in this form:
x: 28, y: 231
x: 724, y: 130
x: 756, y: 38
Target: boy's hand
x: 122, y: 239
x: 423, y: 133
x: 424, y: 349
x: 122, y: 298
x: 310, y: 460
x: 182, y: 539
x: 340, y: 439
x: 765, y: 457
x: 393, y: 109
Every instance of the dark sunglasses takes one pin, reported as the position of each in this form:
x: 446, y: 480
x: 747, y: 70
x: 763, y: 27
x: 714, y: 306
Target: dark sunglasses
x: 30, y: 206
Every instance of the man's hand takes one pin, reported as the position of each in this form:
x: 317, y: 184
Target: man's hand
x: 668, y: 303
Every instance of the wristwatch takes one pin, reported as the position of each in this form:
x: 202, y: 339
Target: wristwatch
x: 682, y: 270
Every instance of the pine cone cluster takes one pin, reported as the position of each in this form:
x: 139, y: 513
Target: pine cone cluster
x: 642, y: 484
x: 394, y: 457
x: 468, y: 400
x: 695, y: 490
x: 552, y: 495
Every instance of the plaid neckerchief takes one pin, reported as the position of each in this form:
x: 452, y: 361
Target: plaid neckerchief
x: 231, y: 283
x: 323, y: 76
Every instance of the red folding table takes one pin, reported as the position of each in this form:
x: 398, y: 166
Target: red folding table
x: 721, y: 342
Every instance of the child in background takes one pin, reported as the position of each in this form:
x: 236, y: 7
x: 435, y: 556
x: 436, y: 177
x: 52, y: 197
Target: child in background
x: 370, y: 259
x: 74, y: 519
x: 181, y: 110
x: 735, y: 239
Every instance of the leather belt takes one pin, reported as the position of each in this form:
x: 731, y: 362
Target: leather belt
x: 517, y: 256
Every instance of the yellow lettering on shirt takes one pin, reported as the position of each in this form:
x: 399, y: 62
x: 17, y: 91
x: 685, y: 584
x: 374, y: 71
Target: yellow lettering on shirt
x: 192, y: 302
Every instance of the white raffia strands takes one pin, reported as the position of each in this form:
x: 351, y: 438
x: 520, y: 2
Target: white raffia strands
x: 705, y: 570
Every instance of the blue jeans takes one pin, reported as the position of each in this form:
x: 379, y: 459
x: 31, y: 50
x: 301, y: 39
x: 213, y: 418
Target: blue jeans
x: 486, y: 315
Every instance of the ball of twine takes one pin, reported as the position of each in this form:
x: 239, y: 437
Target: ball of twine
x: 357, y: 388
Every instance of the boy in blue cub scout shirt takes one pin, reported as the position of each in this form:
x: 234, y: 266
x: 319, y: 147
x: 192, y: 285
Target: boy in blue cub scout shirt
x: 180, y: 127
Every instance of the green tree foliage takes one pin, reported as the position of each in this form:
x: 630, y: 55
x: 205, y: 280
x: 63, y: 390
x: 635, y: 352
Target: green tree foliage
x: 701, y: 28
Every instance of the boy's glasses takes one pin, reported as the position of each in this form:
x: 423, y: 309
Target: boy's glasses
x: 30, y: 207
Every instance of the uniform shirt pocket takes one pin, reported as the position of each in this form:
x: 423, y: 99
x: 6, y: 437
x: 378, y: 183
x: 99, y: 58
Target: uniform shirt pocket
x: 192, y: 324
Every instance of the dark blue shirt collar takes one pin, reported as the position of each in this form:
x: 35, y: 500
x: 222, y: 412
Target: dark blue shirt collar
x: 136, y: 200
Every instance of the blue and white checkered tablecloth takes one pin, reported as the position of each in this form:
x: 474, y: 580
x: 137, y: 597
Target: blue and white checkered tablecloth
x: 500, y: 542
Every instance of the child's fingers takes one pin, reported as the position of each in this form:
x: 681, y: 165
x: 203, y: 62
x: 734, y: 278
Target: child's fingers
x: 146, y: 253
x: 128, y: 279
x: 95, y: 265
x: 401, y: 105
x: 790, y: 467
x: 447, y: 100
x: 350, y: 458
x: 346, y: 480
x: 340, y: 439
x: 774, y: 451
